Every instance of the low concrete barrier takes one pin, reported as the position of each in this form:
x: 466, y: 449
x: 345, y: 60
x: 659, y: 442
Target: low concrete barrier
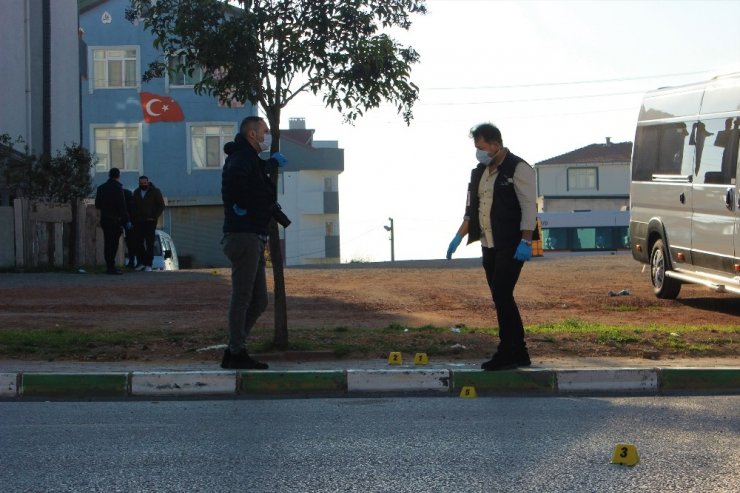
x: 427, y: 381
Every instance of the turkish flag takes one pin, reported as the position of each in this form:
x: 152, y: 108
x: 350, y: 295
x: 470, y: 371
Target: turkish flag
x: 158, y: 108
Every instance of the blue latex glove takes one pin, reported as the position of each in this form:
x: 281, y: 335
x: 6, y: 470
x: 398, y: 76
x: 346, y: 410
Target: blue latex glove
x: 280, y: 158
x: 453, y: 245
x: 238, y: 210
x: 523, y: 252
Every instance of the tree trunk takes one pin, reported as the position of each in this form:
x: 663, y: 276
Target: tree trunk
x: 281, y: 306
x: 276, y: 253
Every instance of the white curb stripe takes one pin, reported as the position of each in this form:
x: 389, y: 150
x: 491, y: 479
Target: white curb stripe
x: 8, y: 385
x: 397, y: 380
x: 177, y: 383
x: 644, y: 380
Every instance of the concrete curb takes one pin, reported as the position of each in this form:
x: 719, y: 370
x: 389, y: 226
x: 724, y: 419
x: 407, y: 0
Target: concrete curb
x: 363, y: 382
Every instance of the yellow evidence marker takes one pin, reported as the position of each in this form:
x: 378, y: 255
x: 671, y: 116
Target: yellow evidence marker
x: 625, y: 454
x: 395, y: 358
x: 468, y: 392
x: 421, y: 359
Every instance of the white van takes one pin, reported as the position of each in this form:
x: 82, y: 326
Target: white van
x: 684, y: 195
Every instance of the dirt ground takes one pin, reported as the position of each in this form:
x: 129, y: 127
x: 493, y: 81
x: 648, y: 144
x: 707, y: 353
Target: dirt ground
x: 438, y: 293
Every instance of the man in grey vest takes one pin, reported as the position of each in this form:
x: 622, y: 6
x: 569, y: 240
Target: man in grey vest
x: 501, y: 213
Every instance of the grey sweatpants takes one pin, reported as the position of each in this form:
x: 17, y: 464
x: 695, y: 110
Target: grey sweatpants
x: 246, y: 251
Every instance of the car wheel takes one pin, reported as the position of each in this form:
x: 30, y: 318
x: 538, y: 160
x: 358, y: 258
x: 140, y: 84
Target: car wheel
x: 663, y: 286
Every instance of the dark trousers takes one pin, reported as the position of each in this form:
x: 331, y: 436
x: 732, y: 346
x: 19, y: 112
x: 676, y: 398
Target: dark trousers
x: 111, y: 235
x: 144, y: 235
x: 248, y: 285
x: 502, y: 274
x: 132, y: 247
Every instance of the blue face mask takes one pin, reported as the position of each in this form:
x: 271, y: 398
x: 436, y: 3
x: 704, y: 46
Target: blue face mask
x: 483, y: 157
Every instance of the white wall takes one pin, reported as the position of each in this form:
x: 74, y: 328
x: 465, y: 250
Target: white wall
x: 14, y: 115
x: 589, y: 204
x: 613, y: 179
x: 65, y: 74
x: 21, y: 93
x: 302, y: 201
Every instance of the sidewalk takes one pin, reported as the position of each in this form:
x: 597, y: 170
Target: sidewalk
x: 304, y: 377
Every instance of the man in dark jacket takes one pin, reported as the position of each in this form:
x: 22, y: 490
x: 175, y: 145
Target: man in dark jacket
x: 147, y: 206
x: 109, y: 199
x: 249, y: 198
x: 501, y: 212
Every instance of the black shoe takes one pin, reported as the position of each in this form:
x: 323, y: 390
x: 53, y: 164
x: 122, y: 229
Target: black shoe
x: 225, y: 360
x: 114, y: 272
x: 242, y: 361
x: 500, y: 361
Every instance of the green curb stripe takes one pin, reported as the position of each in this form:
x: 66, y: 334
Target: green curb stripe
x: 504, y: 381
x: 699, y: 379
x: 41, y: 384
x: 269, y: 382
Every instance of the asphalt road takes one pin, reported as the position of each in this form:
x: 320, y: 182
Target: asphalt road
x: 444, y: 444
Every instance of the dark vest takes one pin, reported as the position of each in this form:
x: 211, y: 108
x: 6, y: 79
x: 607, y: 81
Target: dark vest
x: 506, y: 213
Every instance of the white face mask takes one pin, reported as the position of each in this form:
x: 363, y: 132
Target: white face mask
x: 267, y: 143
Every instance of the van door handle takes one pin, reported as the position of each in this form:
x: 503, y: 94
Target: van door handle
x: 682, y: 198
x: 729, y: 197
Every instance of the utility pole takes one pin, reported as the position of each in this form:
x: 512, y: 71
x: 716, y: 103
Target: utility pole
x: 390, y: 229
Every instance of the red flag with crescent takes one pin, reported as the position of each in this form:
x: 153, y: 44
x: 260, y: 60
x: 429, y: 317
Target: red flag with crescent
x: 158, y: 108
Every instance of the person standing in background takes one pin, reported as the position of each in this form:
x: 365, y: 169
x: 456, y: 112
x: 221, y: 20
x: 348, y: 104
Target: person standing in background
x: 501, y: 212
x: 111, y: 202
x: 148, y: 205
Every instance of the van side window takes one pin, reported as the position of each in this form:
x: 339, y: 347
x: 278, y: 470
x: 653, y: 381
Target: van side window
x: 661, y: 150
x: 716, y: 143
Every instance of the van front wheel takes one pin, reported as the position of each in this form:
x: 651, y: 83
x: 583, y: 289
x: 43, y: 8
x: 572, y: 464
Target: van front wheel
x: 663, y: 286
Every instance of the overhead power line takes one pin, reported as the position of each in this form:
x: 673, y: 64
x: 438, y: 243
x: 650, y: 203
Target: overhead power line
x: 531, y: 100
x: 565, y: 83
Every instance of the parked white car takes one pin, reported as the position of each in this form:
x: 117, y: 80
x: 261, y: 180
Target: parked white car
x: 165, y: 253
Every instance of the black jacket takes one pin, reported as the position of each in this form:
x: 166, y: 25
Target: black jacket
x: 506, y: 213
x: 245, y: 182
x: 149, y: 207
x: 110, y: 200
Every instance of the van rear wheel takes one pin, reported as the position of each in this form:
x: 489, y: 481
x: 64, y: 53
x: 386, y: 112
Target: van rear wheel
x: 663, y: 286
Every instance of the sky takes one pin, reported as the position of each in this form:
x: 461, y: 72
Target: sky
x: 554, y: 76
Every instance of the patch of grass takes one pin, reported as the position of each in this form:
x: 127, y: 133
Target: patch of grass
x: 394, y: 328
x: 342, y: 350
x: 616, y: 337
x: 570, y: 336
x: 567, y: 326
x: 62, y: 342
x: 624, y: 308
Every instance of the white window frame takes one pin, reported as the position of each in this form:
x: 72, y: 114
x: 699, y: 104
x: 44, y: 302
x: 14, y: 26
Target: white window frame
x: 170, y: 84
x: 139, y: 135
x: 580, y: 170
x: 91, y: 67
x: 189, y: 143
